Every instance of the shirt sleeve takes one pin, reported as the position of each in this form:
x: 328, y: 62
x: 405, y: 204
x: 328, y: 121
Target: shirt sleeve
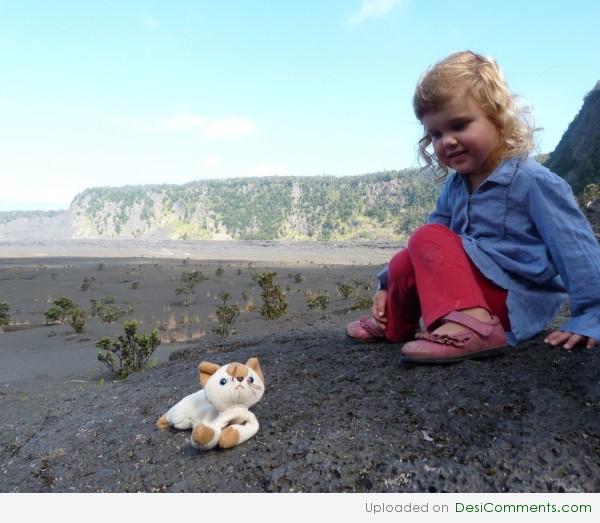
x: 573, y: 249
x: 442, y: 213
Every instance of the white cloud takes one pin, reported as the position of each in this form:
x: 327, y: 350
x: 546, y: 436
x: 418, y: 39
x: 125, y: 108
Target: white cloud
x: 228, y: 127
x: 371, y: 9
x: 268, y: 169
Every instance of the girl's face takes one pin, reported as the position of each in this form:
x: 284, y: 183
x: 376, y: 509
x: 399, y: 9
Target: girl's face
x: 463, y: 137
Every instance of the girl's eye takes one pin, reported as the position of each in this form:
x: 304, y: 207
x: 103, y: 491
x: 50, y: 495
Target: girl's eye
x: 223, y: 381
x: 250, y: 379
x: 435, y: 136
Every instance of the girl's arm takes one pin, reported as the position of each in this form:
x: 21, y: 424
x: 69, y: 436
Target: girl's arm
x: 575, y: 253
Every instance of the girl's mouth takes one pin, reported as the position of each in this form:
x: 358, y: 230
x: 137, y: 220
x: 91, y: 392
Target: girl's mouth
x: 456, y: 154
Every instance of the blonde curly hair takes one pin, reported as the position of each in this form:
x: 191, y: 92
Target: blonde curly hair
x: 466, y: 73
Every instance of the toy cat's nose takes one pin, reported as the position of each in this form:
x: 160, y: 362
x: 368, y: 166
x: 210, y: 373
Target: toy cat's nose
x: 240, y: 379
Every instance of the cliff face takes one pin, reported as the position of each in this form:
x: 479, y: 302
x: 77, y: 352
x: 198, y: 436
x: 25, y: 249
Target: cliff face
x: 386, y: 205
x: 577, y: 156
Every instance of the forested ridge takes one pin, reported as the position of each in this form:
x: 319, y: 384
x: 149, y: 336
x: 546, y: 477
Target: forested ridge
x: 373, y: 206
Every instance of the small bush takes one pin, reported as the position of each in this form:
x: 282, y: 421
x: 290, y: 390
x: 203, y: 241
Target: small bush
x: 318, y: 300
x: 361, y: 303
x: 219, y: 271
x: 107, y: 310
x: 77, y: 318
x: 227, y: 315
x: 4, y: 315
x: 135, y: 285
x: 187, y: 285
x: 87, y: 282
x: 274, y: 302
x: 61, y: 307
x: 129, y: 352
x: 346, y: 289
x: 110, y: 313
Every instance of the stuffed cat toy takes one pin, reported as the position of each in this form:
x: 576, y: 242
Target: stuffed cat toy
x: 218, y: 414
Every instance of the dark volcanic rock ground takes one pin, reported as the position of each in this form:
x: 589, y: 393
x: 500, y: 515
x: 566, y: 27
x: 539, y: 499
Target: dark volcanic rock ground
x: 336, y: 417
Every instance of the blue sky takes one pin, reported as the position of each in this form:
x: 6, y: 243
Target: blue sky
x: 114, y: 93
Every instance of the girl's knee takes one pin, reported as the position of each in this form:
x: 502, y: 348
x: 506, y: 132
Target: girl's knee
x: 428, y: 233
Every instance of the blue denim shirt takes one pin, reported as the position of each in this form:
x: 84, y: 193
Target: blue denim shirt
x: 523, y: 230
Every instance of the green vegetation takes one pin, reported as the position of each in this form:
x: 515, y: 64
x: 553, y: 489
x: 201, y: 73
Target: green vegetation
x: 4, y: 315
x: 129, y: 352
x: 274, y: 302
x: 227, y: 315
x: 9, y: 216
x: 187, y: 285
x: 87, y: 282
x: 107, y: 310
x: 318, y: 300
x: 384, y: 205
x: 77, y: 318
x: 361, y: 303
x: 60, y: 310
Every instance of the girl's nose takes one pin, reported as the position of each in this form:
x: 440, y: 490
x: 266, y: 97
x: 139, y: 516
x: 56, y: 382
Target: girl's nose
x: 448, y: 139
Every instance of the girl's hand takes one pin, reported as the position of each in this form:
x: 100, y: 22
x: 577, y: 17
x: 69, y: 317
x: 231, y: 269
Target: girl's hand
x: 569, y: 340
x: 378, y: 308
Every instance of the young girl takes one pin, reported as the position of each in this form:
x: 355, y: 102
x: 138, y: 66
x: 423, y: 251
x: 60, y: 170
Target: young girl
x: 506, y: 242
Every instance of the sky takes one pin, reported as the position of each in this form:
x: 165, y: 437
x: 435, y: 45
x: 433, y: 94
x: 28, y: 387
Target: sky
x: 112, y: 93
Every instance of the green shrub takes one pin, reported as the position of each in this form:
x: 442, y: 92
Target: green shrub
x: 346, y: 289
x: 187, y: 285
x: 129, y: 352
x: 274, y: 302
x: 87, y: 282
x: 362, y: 302
x: 77, y: 318
x: 4, y: 315
x: 60, y: 309
x: 227, y: 315
x: 109, y: 313
x: 318, y: 300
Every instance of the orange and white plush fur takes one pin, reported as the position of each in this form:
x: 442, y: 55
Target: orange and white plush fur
x: 218, y: 414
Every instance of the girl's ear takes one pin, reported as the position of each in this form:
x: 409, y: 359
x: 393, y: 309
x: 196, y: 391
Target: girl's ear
x: 255, y: 366
x: 206, y: 370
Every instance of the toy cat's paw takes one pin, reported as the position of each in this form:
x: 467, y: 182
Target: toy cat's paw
x: 203, y: 437
x: 230, y: 437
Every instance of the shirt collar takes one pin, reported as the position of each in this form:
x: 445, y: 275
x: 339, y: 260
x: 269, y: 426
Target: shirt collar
x: 503, y: 174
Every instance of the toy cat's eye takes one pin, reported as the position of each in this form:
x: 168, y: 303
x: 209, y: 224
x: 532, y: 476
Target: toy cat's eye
x: 250, y: 379
x: 223, y: 381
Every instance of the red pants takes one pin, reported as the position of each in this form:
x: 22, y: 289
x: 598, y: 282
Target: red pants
x: 432, y: 277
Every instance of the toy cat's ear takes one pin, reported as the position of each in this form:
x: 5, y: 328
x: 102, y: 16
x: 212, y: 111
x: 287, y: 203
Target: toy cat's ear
x: 255, y: 366
x: 206, y: 370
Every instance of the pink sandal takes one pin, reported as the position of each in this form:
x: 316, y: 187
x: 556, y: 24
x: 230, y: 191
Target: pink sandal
x: 480, y: 338
x: 365, y: 330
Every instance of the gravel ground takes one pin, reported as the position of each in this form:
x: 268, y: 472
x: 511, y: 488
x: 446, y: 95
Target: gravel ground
x: 336, y: 417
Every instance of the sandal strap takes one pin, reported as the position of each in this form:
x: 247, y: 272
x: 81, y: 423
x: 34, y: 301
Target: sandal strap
x: 372, y: 328
x: 482, y: 328
x: 457, y: 340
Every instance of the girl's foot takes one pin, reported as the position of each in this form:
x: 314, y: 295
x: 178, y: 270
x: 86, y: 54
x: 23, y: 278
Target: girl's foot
x: 365, y: 330
x: 449, y: 328
x: 475, y: 338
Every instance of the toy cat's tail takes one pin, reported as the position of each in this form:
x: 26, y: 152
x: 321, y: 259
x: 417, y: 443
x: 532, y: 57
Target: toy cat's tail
x: 162, y: 423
